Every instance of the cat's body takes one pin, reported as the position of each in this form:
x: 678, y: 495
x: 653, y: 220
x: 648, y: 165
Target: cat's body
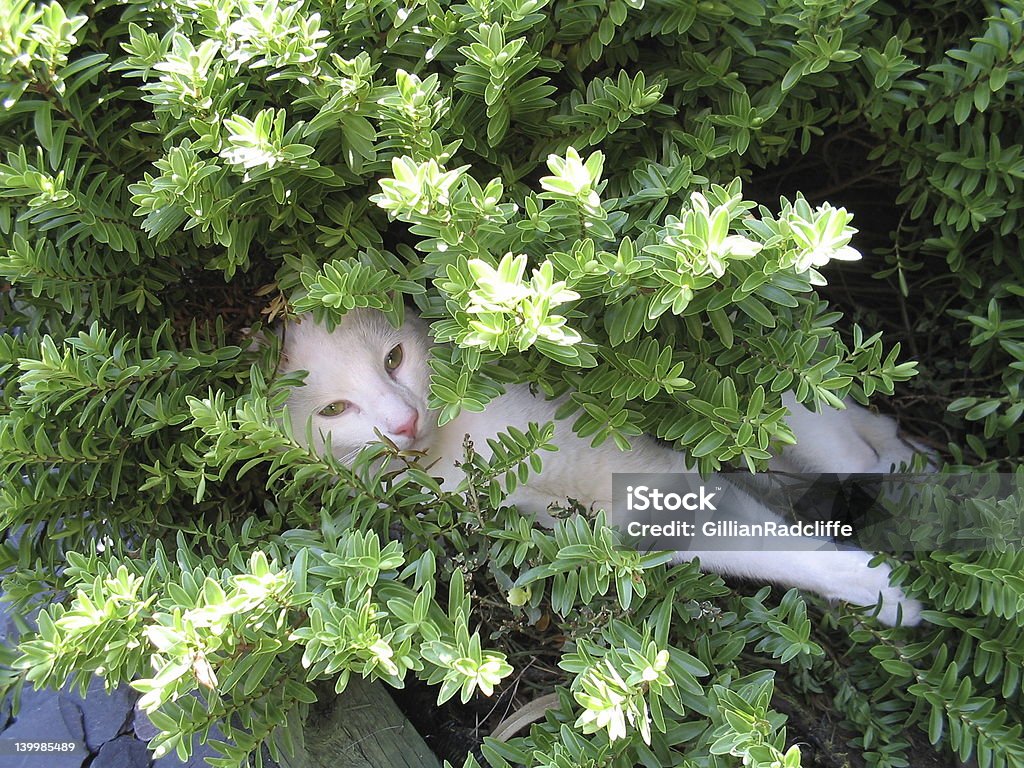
x: 367, y: 375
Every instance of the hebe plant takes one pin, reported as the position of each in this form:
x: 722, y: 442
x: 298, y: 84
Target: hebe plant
x: 563, y: 189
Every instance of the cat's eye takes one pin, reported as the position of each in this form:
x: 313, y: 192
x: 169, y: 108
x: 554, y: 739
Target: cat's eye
x: 394, y: 359
x: 334, y: 409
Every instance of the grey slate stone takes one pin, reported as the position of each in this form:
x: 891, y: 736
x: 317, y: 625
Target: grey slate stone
x: 46, y: 760
x: 40, y: 719
x: 143, y: 729
x: 32, y: 699
x: 64, y: 716
x: 104, y: 715
x: 72, y: 716
x: 122, y: 752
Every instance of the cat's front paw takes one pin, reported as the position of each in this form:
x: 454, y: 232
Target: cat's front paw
x: 868, y: 586
x: 898, y: 609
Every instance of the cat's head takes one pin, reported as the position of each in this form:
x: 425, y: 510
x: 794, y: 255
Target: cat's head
x: 363, y: 375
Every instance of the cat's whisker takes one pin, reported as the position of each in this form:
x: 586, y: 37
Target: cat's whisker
x: 346, y: 458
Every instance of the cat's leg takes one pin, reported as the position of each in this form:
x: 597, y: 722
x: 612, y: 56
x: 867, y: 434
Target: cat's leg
x: 882, y: 434
x: 836, y: 574
x: 850, y: 441
x: 817, y: 565
x: 814, y: 564
x: 584, y: 472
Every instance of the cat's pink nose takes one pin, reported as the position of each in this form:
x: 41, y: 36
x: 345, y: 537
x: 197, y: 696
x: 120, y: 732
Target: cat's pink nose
x: 408, y: 427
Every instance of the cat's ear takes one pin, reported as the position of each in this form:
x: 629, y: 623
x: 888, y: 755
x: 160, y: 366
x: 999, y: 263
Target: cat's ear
x: 418, y: 325
x: 262, y: 338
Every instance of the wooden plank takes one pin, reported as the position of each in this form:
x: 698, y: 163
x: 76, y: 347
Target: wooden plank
x: 361, y: 728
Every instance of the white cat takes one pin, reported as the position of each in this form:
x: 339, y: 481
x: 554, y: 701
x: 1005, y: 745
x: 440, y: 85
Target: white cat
x: 367, y: 375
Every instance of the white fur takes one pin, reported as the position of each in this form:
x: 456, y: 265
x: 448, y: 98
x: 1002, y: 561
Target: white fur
x: 348, y: 364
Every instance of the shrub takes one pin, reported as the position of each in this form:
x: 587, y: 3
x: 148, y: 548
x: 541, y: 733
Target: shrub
x: 604, y: 177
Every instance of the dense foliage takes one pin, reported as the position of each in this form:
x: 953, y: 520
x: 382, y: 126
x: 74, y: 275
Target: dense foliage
x: 578, y: 194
